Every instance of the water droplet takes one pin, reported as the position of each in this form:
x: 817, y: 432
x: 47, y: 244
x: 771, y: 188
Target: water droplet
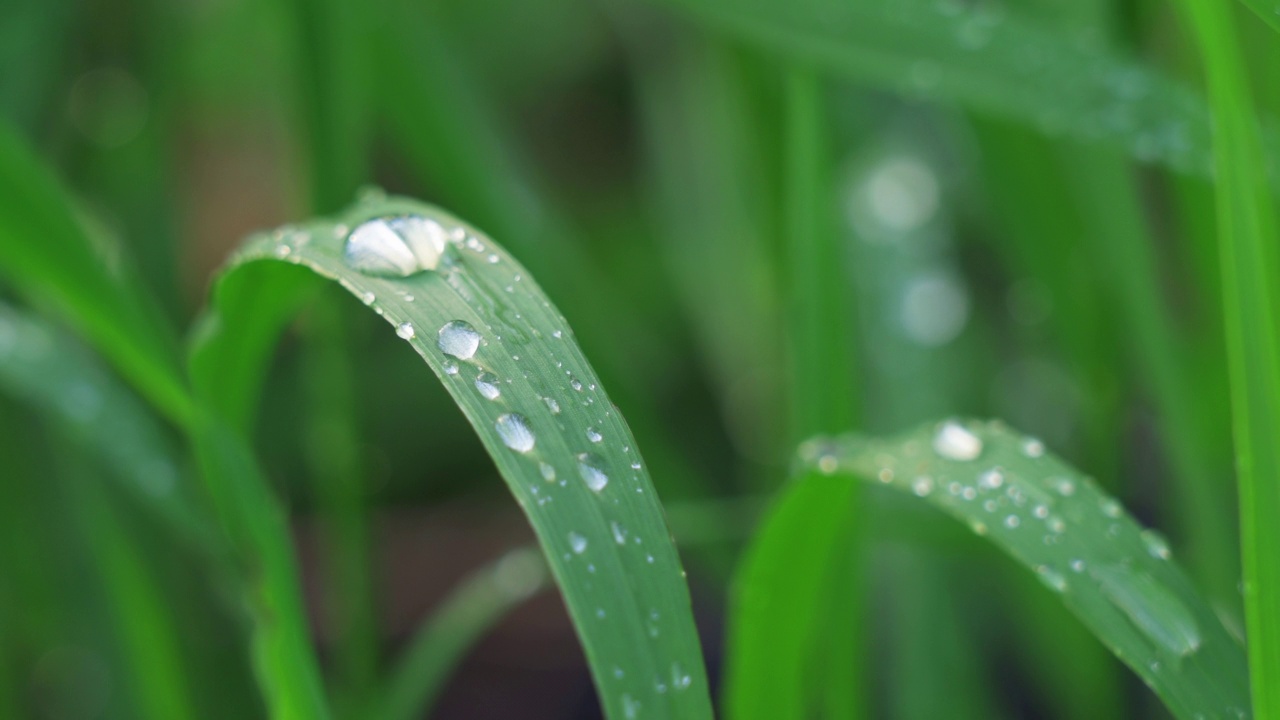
x: 922, y: 486
x: 1156, y: 544
x: 458, y: 339
x: 978, y: 527
x: 548, y: 472
x: 1052, y: 579
x: 367, y: 297
x: 1158, y: 613
x: 1041, y: 511
x: 991, y: 479
x: 619, y: 533
x: 514, y: 430
x: 405, y: 330
x: 1077, y: 565
x: 594, y: 435
x: 900, y: 195
x: 450, y: 367
x: 590, y: 468
x: 1032, y: 448
x: 635, y: 465
x: 955, y: 442
x: 630, y: 707
x: 1065, y: 487
x: 575, y: 385
x: 828, y: 464
x: 395, y: 246
x: 487, y: 384
x: 578, y: 543
x: 1111, y: 508
x: 935, y: 308
x: 1012, y: 521
x: 552, y: 405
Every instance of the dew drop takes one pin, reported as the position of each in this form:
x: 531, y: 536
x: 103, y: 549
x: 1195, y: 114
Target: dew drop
x: 922, y: 486
x: 1158, y: 613
x: 487, y: 384
x: 594, y: 435
x: 450, y: 367
x: 552, y: 405
x: 1012, y: 521
x: 1051, y: 578
x: 1111, y: 508
x: 575, y: 385
x: 828, y: 464
x: 619, y: 533
x: 1156, y: 544
x: 395, y: 246
x: 405, y: 330
x: 458, y: 339
x: 1065, y: 487
x: 590, y: 468
x: 578, y: 543
x: 514, y: 430
x: 954, y: 442
x: 991, y: 479
x: 1077, y: 565
x: 1032, y: 448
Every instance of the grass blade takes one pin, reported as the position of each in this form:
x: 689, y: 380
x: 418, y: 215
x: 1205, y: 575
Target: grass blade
x: 536, y: 404
x: 1113, y: 575
x: 986, y: 60
x: 1249, y: 263
x: 50, y: 257
x: 469, y: 611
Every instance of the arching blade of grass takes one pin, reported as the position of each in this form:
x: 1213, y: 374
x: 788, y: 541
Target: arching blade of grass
x: 508, y: 359
x: 1113, y: 575
x: 59, y: 379
x: 986, y: 60
x: 1250, y: 265
x: 470, y: 610
x: 48, y: 255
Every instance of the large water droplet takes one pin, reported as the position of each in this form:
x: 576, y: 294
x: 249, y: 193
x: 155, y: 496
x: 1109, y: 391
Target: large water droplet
x: 514, y: 430
x: 590, y: 467
x: 458, y: 339
x: 1158, y: 613
x: 405, y: 330
x: 955, y: 442
x: 577, y: 542
x: 487, y: 384
x: 395, y: 246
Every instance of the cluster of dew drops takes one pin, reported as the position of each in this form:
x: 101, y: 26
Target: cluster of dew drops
x: 404, y: 245
x: 1155, y: 612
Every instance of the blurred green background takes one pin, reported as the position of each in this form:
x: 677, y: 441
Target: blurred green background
x: 633, y: 156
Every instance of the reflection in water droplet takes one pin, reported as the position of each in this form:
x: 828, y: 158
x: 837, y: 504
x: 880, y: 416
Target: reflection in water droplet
x: 450, y: 367
x: 590, y: 467
x: 1158, y: 613
x: 619, y: 533
x: 1032, y: 448
x: 487, y: 384
x: 955, y: 442
x: 922, y: 486
x: 458, y: 339
x: 548, y: 472
x: 900, y: 194
x: 396, y: 246
x: 594, y: 435
x: 1156, y: 544
x: 577, y: 542
x: 552, y: 405
x: 405, y: 330
x: 514, y: 430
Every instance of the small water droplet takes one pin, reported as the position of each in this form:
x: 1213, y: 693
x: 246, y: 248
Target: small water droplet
x: 487, y: 384
x: 991, y: 479
x: 1065, y: 487
x: 828, y: 464
x: 590, y: 467
x: 578, y: 543
x: 514, y: 430
x: 635, y: 465
x: 1077, y: 565
x: 1032, y: 448
x: 405, y: 330
x: 594, y: 435
x: 619, y: 533
x: 548, y: 472
x: 1156, y: 544
x: 1041, y: 511
x: 458, y: 339
x: 367, y: 297
x: 575, y: 385
x: 1012, y: 521
x: 552, y: 405
x: 922, y: 486
x: 395, y: 246
x: 955, y: 442
x: 1158, y: 613
x: 1051, y: 578
x: 1111, y: 508
x: 450, y: 367
x: 630, y: 707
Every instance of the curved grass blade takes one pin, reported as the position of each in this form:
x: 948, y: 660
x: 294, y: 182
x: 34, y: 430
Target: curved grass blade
x: 508, y: 359
x: 50, y: 257
x: 472, y: 609
x: 986, y: 60
x: 1115, y: 576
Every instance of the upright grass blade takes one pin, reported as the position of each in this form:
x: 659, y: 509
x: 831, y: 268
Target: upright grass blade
x: 509, y: 361
x: 777, y: 610
x: 986, y: 59
x: 1112, y: 574
x: 50, y: 257
x: 1250, y: 266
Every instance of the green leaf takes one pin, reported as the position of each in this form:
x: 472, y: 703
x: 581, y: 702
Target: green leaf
x: 51, y: 258
x: 778, y: 602
x: 1111, y: 573
x: 564, y: 450
x: 986, y: 59
x: 1250, y: 266
x: 59, y: 379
